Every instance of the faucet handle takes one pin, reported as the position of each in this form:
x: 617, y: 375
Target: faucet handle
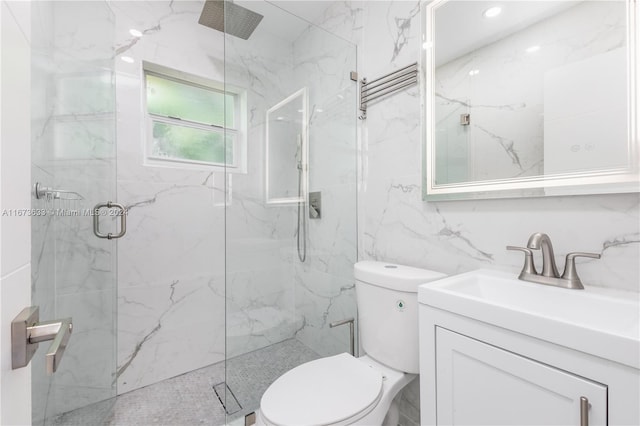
x: 529, y: 267
x: 570, y: 273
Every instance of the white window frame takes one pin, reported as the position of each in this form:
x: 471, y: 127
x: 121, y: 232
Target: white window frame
x: 239, y: 131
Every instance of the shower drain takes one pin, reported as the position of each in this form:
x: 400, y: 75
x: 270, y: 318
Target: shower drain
x: 227, y: 398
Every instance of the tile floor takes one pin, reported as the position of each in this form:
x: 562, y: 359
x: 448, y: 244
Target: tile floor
x: 190, y: 399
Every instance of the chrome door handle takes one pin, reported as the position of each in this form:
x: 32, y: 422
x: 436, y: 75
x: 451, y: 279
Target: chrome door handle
x: 584, y: 411
x: 96, y: 220
x: 27, y: 332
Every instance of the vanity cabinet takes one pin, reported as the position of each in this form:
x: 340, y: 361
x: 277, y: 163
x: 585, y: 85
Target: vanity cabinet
x: 488, y: 368
x: 481, y: 384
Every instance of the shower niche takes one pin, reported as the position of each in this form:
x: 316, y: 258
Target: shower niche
x: 286, y: 150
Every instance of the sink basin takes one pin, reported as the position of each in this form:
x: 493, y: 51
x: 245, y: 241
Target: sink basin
x: 599, y: 321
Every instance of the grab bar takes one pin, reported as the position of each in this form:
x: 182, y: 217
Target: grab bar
x: 352, y: 341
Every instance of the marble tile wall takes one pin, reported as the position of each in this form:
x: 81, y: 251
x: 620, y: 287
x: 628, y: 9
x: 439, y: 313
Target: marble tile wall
x: 260, y: 308
x: 324, y: 287
x: 182, y: 240
x: 73, y: 140
x: 167, y: 269
x: 395, y: 224
x: 171, y: 262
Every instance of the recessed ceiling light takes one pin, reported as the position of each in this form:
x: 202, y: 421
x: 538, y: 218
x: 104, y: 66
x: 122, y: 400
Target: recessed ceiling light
x: 135, y: 33
x: 319, y: 110
x: 492, y: 12
x: 474, y: 72
x: 127, y: 59
x: 532, y: 49
x: 279, y: 118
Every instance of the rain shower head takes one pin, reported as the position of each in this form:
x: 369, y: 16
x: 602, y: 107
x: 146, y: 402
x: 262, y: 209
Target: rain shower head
x: 228, y: 17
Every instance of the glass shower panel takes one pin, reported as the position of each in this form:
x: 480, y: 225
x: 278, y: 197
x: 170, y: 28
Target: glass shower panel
x: 171, y: 262
x: 278, y: 308
x: 74, y: 164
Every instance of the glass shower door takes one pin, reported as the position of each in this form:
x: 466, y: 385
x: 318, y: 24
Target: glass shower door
x: 289, y: 273
x: 74, y: 166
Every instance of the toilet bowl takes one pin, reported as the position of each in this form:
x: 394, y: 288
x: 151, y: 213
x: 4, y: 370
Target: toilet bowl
x: 344, y: 390
x: 338, y: 390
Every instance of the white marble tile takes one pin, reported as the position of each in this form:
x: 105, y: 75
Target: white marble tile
x: 82, y: 34
x: 321, y: 299
x: 168, y: 329
x: 85, y: 374
x: 176, y: 227
x: 394, y: 224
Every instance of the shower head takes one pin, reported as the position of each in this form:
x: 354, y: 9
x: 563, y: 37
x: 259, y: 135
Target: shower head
x: 228, y: 17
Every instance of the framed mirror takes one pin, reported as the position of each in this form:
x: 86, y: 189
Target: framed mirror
x: 286, y: 154
x: 529, y: 98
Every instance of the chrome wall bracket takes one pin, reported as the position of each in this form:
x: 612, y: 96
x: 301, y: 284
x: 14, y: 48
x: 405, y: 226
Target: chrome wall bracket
x: 27, y: 332
x: 386, y: 85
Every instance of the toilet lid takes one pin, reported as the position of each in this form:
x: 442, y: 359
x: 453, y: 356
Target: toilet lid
x: 322, y: 392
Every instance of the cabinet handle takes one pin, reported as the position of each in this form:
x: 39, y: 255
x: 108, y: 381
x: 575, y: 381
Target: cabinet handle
x: 584, y: 411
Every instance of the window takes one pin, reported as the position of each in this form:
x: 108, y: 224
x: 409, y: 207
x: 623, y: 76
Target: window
x: 193, y: 120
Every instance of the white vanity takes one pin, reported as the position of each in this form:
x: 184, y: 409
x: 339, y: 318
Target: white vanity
x: 495, y: 350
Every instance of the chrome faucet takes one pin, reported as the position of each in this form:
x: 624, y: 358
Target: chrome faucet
x: 549, y: 274
x: 540, y: 240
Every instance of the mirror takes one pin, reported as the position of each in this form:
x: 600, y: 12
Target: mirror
x: 286, y: 150
x: 529, y: 98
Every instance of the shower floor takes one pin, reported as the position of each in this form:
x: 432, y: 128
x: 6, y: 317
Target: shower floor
x: 189, y: 399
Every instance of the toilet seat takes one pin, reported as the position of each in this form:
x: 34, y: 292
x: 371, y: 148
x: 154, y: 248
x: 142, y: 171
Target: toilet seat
x: 336, y: 390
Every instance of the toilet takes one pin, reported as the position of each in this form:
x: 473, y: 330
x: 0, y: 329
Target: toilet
x: 343, y: 390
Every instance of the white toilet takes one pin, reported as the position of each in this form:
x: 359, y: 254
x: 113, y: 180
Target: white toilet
x: 343, y: 390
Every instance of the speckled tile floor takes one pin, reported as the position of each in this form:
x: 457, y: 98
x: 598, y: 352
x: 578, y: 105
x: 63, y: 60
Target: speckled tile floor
x: 189, y: 399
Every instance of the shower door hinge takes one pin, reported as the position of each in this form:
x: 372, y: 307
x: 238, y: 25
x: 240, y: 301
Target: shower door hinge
x: 250, y: 419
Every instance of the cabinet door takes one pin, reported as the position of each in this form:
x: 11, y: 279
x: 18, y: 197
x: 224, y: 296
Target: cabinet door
x: 480, y: 384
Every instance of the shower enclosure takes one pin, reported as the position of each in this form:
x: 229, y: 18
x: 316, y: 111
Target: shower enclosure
x: 288, y: 274
x: 212, y: 142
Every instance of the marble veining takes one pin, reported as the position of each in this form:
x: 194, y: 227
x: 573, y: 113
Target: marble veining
x: 403, y: 30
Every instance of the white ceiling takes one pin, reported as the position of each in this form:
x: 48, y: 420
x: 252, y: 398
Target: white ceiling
x: 278, y: 16
x: 461, y: 28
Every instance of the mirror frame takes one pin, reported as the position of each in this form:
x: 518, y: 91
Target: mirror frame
x: 304, y: 151
x: 618, y: 180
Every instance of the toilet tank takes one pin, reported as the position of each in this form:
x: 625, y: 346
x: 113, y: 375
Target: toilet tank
x: 387, y: 298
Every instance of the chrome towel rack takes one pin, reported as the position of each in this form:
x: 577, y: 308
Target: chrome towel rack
x: 386, y: 85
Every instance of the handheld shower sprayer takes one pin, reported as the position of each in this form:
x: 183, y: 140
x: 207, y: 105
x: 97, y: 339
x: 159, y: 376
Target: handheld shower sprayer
x: 301, y: 233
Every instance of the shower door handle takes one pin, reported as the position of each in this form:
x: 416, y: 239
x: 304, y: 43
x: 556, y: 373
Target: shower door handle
x: 96, y: 220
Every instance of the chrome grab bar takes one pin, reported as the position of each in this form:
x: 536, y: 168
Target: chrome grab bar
x: 352, y: 340
x: 27, y: 332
